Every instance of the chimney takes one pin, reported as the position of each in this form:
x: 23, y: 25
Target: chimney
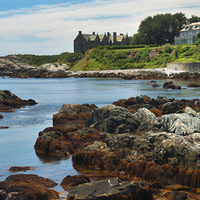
x: 80, y: 32
x: 114, y: 37
x: 93, y: 33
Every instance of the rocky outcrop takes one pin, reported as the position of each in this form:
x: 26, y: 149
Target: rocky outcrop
x: 111, y: 118
x: 154, y: 139
x: 170, y: 85
x: 111, y: 189
x: 9, y: 101
x: 27, y: 187
x: 15, y: 67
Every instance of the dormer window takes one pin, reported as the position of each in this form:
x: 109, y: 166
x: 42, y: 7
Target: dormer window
x: 195, y: 27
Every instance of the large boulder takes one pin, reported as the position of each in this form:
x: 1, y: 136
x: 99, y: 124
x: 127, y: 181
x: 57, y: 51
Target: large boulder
x: 111, y: 189
x: 72, y: 116
x: 181, y: 124
x: 111, y: 119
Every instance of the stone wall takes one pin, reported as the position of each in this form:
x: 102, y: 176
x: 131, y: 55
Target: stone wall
x: 190, y: 67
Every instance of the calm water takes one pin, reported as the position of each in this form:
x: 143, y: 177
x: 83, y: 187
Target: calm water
x: 16, y: 143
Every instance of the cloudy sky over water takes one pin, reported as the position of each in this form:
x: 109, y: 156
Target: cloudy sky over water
x: 45, y: 27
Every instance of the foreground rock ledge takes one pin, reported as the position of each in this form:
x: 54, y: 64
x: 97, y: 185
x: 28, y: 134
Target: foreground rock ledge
x: 111, y: 189
x: 157, y: 140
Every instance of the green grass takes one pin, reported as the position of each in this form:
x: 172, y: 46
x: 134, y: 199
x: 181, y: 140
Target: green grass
x: 67, y: 58
x: 136, y: 58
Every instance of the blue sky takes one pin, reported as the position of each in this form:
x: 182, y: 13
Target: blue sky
x: 46, y: 27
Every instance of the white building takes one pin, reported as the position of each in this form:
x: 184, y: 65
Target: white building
x: 188, y: 35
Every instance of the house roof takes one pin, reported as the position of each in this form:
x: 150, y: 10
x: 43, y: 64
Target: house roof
x: 91, y: 36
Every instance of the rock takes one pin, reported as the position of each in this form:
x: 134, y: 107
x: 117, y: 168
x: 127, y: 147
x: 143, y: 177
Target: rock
x: 110, y: 117
x: 190, y: 111
x: 8, y: 101
x: 72, y: 116
x: 31, y: 178
x: 54, y: 67
x: 4, y: 127
x: 143, y: 114
x: 193, y: 85
x: 96, y: 146
x: 170, y: 85
x: 25, y: 191
x: 176, y: 195
x: 155, y: 85
x: 169, y: 107
x: 49, y: 136
x: 18, y: 169
x: 180, y: 124
x: 111, y: 189
x: 76, y: 180
x: 1, y: 116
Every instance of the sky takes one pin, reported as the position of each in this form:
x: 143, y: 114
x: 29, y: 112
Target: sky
x: 48, y: 27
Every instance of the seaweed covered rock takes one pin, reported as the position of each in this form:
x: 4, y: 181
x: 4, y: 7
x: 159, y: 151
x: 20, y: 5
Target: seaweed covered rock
x: 72, y: 116
x: 70, y: 181
x: 27, y: 187
x: 111, y: 189
x: 8, y: 101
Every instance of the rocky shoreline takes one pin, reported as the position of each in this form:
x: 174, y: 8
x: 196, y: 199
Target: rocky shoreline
x: 156, y: 140
x: 14, y: 67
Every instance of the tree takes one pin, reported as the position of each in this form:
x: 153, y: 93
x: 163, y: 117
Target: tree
x: 193, y: 19
x: 159, y: 29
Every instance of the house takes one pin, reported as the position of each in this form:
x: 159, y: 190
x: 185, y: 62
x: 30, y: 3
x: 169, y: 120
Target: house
x: 84, y: 41
x: 188, y: 35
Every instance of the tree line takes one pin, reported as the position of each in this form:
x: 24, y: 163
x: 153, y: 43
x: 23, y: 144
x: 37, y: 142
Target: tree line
x: 161, y: 28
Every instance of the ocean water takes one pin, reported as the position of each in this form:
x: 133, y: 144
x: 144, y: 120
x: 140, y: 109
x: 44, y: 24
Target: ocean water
x: 17, y: 142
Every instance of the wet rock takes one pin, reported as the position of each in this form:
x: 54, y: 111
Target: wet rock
x: 76, y: 180
x: 25, y: 191
x: 8, y: 101
x: 4, y: 127
x: 155, y: 85
x: 170, y: 85
x: 111, y: 189
x: 19, y: 169
x: 193, y: 85
x: 72, y: 116
x: 31, y: 178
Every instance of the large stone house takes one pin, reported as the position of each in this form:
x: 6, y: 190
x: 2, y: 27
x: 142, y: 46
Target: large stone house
x: 188, y: 35
x: 83, y: 41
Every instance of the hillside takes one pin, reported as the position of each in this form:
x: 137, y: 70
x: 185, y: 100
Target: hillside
x: 66, y: 58
x: 137, y: 58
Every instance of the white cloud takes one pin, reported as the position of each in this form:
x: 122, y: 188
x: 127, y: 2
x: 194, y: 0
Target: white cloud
x: 56, y: 26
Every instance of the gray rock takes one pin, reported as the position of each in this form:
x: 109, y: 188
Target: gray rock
x: 54, y: 67
x: 190, y: 111
x: 110, y: 117
x: 106, y: 189
x: 7, y: 95
x: 143, y: 114
x: 180, y: 124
